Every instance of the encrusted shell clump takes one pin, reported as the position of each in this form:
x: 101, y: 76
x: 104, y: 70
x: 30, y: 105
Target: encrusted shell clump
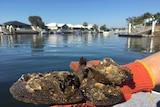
x: 58, y: 87
x: 99, y: 84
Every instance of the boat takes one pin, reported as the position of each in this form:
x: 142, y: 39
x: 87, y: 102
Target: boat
x: 105, y: 32
x: 59, y: 31
x: 68, y: 31
x: 43, y: 31
x: 26, y: 31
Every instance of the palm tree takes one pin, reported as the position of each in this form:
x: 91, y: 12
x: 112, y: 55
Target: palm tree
x: 85, y: 24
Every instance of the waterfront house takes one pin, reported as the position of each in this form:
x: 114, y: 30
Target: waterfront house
x: 16, y: 27
x: 59, y: 25
x: 52, y: 26
x: 67, y: 28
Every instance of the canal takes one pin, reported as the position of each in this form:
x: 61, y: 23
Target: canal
x: 20, y: 54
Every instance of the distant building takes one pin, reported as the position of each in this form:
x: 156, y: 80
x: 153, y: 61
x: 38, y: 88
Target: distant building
x: 148, y: 21
x: 56, y: 26
x: 90, y: 26
x: 59, y: 25
x: 16, y: 27
x: 65, y: 26
x: 17, y: 24
x: 52, y: 26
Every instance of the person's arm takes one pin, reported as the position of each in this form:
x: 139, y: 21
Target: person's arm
x: 153, y: 62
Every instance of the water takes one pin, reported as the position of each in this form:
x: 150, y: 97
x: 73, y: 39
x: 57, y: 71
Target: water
x: 21, y: 54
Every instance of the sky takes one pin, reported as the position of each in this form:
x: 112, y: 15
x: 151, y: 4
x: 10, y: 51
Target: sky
x: 112, y: 13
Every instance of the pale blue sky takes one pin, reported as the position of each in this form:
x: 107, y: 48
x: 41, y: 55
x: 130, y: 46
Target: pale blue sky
x: 110, y: 12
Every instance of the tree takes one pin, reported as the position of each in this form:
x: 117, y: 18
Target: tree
x: 138, y: 20
x: 131, y: 20
x: 36, y: 21
x: 95, y: 26
x: 85, y: 24
x: 103, y: 27
x: 157, y: 17
x: 147, y: 15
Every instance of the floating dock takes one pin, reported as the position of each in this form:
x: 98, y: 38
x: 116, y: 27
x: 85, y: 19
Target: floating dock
x: 133, y: 35
x: 145, y: 32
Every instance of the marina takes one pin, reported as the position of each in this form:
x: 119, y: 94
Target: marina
x: 16, y: 27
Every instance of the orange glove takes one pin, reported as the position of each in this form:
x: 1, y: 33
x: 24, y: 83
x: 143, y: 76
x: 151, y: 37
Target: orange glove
x: 74, y: 64
x: 143, y: 80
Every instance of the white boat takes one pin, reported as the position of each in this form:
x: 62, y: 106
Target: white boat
x: 43, y: 31
x: 105, y: 32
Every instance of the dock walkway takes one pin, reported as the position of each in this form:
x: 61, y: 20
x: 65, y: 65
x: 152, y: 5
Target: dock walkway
x: 142, y: 32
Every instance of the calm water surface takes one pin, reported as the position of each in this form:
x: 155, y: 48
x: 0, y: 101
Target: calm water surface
x: 21, y: 54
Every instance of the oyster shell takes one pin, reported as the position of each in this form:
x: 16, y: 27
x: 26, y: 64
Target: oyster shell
x: 58, y: 87
x: 109, y: 72
x: 98, y: 84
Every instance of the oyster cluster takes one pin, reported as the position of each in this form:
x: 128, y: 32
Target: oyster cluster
x: 99, y: 84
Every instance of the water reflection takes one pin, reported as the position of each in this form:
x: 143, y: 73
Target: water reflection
x: 38, y: 43
x: 53, y: 44
x: 145, y: 44
x: 71, y: 40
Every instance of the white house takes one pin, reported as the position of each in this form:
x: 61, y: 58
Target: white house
x: 78, y: 26
x: 52, y: 26
x: 89, y: 26
x: 56, y: 26
x: 59, y: 25
x: 70, y: 26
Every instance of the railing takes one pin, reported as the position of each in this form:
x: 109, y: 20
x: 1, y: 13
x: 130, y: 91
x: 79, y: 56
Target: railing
x: 141, y: 30
x: 5, y: 31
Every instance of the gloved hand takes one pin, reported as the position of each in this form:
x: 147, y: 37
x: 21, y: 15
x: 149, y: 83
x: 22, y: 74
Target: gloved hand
x: 143, y: 80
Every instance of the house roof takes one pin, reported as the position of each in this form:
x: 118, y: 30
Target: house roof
x: 16, y: 23
x: 78, y: 26
x: 51, y: 24
x: 60, y: 24
x: 69, y: 25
